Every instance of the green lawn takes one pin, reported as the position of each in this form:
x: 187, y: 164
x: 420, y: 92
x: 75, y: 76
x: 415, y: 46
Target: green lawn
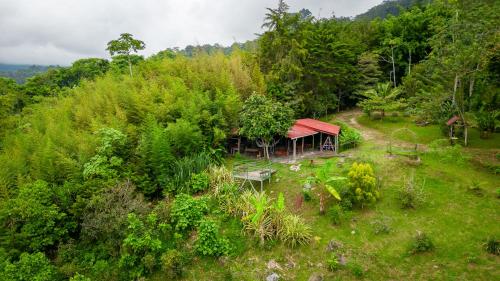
x: 457, y: 220
x: 424, y: 134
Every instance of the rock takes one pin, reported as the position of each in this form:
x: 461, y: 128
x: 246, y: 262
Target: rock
x: 273, y: 277
x: 316, y: 277
x: 272, y: 264
x: 342, y: 260
x: 334, y: 246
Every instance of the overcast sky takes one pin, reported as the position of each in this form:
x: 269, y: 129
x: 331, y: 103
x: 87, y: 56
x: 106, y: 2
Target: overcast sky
x: 62, y: 31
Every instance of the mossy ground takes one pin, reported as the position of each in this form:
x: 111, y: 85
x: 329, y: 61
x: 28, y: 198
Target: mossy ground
x: 457, y: 220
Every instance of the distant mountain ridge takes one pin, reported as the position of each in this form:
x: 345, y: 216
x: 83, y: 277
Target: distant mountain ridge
x: 390, y: 7
x: 21, y: 72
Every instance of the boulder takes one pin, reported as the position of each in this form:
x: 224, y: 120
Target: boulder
x: 273, y: 277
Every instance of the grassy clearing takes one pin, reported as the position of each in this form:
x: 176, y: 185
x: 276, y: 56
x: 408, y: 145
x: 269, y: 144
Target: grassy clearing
x: 457, y: 220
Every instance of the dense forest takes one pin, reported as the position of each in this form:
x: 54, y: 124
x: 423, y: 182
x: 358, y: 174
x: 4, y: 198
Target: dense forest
x: 118, y: 170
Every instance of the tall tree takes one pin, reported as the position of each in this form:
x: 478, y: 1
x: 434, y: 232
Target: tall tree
x: 264, y: 119
x: 125, y: 45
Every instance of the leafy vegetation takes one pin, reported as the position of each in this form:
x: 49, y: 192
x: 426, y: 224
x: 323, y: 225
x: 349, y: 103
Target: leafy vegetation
x: 117, y: 170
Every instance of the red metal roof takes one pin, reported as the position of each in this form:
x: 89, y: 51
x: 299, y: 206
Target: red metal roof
x: 307, y: 127
x: 452, y: 120
x: 298, y: 131
x: 319, y: 126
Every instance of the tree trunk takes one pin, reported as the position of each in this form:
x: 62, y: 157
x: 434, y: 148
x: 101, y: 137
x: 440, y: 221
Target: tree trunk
x: 465, y: 134
x: 409, y: 62
x: 382, y: 113
x: 393, y: 67
x: 340, y: 98
x: 455, y: 86
x: 129, y: 65
x: 321, y: 204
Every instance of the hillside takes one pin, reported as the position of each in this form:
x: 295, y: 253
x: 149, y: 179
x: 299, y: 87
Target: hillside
x: 390, y: 7
x: 21, y: 72
x: 326, y: 149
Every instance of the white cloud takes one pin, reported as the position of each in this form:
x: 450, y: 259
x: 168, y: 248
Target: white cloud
x: 61, y: 31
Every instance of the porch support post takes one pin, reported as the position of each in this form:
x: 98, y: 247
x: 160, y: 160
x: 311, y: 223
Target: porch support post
x: 321, y: 142
x: 294, y: 149
x: 313, y: 143
x: 303, y: 145
x: 336, y: 144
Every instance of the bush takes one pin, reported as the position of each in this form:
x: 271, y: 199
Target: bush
x: 209, y: 242
x: 348, y: 135
x: 172, y: 263
x: 30, y: 267
x: 421, y: 243
x: 33, y: 220
x: 411, y: 194
x: 335, y: 214
x: 187, y: 211
x: 79, y: 277
x: 356, y: 269
x: 146, y: 240
x: 199, y: 182
x: 492, y: 246
x: 306, y: 192
x: 294, y: 231
x: 381, y: 226
x: 181, y: 170
x: 362, y: 184
x: 333, y: 262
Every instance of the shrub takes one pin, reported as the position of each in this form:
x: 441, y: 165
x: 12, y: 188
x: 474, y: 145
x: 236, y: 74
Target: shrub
x: 348, y: 135
x: 335, y: 214
x: 107, y: 161
x: 421, y: 243
x: 333, y: 262
x: 143, y: 245
x: 294, y: 231
x: 362, y: 184
x: 181, y: 170
x: 381, y: 226
x: 30, y: 267
x: 33, y: 219
x: 492, y: 246
x: 199, y: 182
x: 209, y: 242
x: 411, y: 194
x: 475, y: 188
x: 306, y: 192
x: 105, y: 216
x: 356, y: 269
x: 187, y: 211
x: 79, y: 277
x: 219, y: 176
x: 172, y: 263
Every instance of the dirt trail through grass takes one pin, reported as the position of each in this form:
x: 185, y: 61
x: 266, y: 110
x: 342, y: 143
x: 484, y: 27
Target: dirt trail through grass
x: 371, y: 135
x: 368, y: 134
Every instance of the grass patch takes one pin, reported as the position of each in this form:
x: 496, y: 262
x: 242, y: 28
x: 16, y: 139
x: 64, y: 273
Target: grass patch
x: 375, y: 240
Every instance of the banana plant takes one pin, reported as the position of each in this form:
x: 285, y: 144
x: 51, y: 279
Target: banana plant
x: 327, y: 184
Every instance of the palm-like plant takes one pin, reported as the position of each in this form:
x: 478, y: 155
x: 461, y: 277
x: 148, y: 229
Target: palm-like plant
x: 382, y: 98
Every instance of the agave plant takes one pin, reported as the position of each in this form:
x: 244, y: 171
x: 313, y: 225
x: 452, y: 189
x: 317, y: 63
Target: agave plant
x: 326, y: 184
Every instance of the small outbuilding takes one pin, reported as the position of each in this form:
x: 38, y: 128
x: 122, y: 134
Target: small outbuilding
x: 308, y: 127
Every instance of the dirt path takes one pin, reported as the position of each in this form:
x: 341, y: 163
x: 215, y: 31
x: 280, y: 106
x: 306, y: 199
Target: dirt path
x: 369, y: 134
